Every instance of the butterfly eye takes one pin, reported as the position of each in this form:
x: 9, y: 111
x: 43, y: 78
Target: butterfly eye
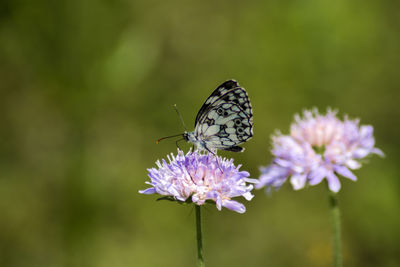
x: 225, y: 113
x: 238, y: 122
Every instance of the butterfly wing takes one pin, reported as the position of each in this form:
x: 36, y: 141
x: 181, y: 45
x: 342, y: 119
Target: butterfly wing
x: 218, y: 92
x: 226, y: 121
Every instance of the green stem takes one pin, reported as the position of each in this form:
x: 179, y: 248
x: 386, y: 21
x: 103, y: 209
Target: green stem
x: 336, y: 232
x: 200, y: 260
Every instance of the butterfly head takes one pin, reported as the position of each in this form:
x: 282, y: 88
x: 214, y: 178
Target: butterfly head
x: 186, y: 136
x: 189, y: 137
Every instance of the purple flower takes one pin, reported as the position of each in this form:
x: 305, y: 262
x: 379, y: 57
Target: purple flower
x: 318, y: 147
x: 199, y: 177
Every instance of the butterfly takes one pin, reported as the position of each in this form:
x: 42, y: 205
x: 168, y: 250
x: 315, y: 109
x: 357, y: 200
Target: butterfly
x: 224, y: 121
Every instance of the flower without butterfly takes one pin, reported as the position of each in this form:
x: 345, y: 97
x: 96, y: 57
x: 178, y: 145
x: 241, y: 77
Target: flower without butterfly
x: 318, y: 147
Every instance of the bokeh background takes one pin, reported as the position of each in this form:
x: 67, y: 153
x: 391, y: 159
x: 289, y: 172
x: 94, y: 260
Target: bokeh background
x: 86, y: 87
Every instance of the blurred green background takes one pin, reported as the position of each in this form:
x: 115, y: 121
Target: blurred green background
x: 86, y: 87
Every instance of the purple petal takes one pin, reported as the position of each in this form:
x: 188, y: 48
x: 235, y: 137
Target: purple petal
x: 234, y: 205
x: 333, y: 182
x: 317, y: 175
x: 283, y: 163
x: 248, y: 196
x: 148, y: 191
x: 298, y: 181
x: 361, y: 152
x: 352, y: 164
x: 366, y: 131
x: 219, y: 203
x: 342, y: 170
x: 251, y: 180
x: 272, y: 175
x: 378, y: 152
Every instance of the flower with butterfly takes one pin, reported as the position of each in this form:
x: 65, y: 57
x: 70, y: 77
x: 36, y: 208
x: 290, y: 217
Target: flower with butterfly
x: 199, y: 178
x: 224, y: 121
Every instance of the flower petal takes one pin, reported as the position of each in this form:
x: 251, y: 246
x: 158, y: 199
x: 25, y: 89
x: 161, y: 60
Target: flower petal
x: 352, y: 164
x: 298, y: 181
x: 234, y: 205
x: 342, y: 170
x: 148, y: 191
x: 378, y: 152
x: 272, y: 175
x: 317, y: 175
x: 333, y: 182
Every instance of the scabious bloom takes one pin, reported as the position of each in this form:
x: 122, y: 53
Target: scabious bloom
x: 318, y: 147
x: 198, y: 178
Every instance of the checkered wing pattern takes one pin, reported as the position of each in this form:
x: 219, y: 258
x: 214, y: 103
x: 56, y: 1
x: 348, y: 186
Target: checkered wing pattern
x: 225, y: 120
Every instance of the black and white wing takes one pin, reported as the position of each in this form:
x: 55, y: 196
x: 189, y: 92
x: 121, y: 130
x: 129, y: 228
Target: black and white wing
x: 225, y: 120
x: 218, y: 92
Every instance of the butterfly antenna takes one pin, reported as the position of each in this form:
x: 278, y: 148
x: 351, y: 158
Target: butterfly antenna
x: 180, y: 117
x: 158, y: 140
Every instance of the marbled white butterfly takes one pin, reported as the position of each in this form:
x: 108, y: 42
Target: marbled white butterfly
x: 224, y: 121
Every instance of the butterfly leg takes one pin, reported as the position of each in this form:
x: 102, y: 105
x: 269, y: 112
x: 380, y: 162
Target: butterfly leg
x: 215, y: 155
x: 191, y: 178
x: 196, y: 165
x: 177, y: 141
x: 197, y: 162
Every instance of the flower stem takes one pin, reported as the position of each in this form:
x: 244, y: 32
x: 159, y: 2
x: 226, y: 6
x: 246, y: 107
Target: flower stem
x: 335, y: 217
x: 200, y: 260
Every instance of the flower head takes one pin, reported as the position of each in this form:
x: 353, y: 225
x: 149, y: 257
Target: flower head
x: 199, y: 177
x: 318, y: 147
